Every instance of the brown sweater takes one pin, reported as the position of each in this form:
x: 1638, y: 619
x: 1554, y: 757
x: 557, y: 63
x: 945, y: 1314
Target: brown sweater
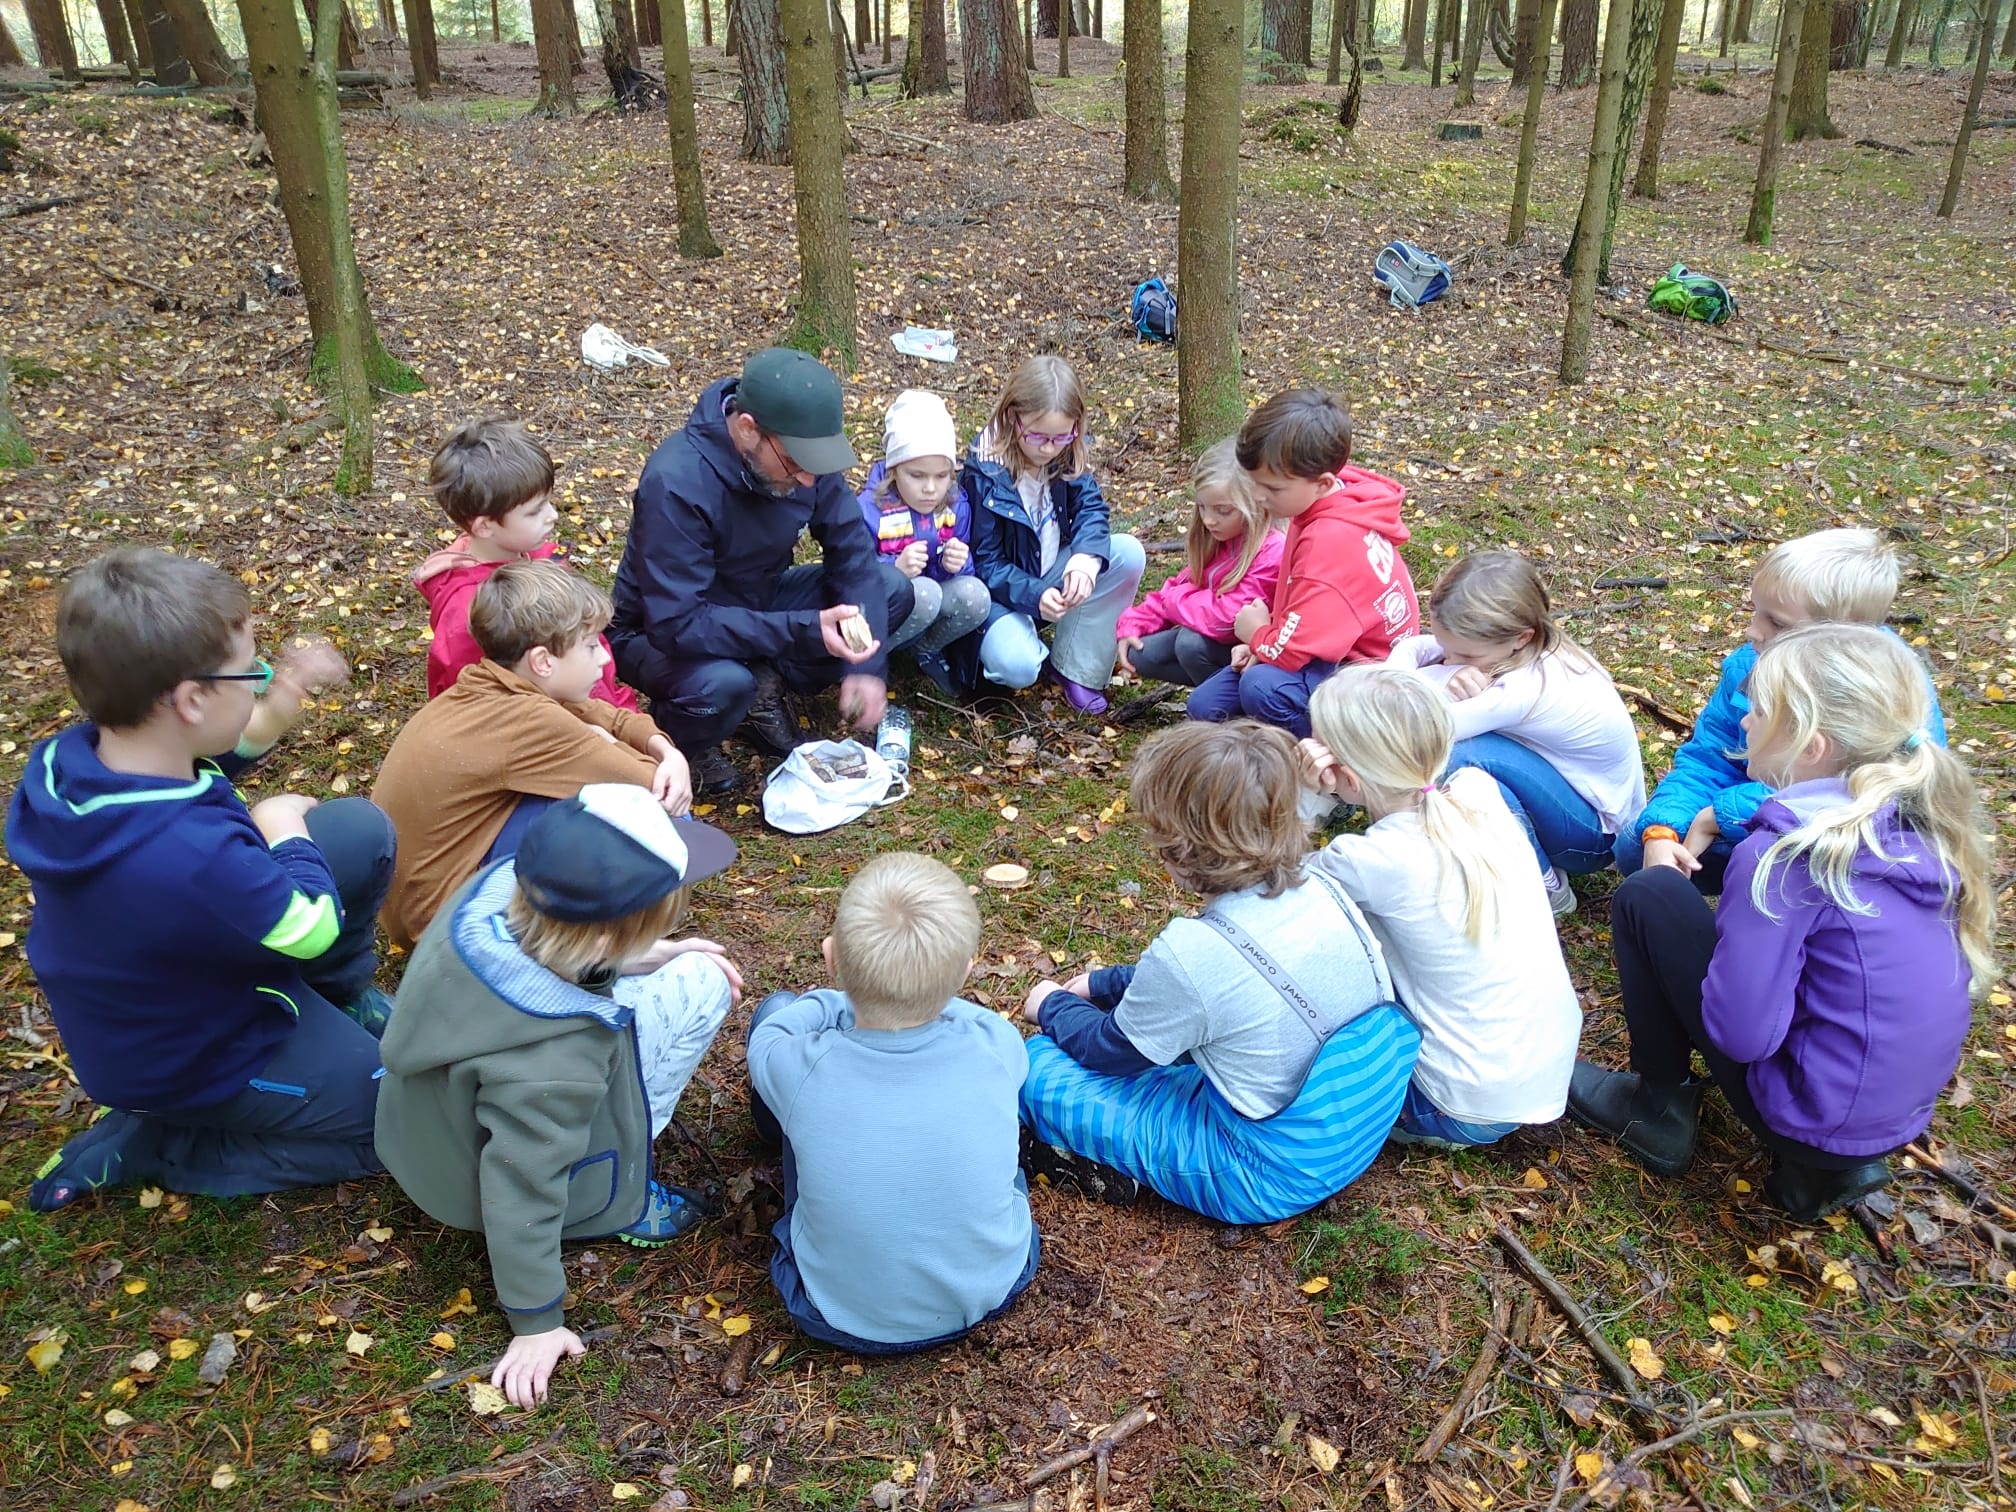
x: 462, y: 763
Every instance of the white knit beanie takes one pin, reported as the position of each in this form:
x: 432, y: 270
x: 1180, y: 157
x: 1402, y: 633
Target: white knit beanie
x: 918, y: 425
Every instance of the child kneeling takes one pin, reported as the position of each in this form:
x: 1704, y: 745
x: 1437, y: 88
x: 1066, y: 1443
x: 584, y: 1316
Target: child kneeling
x: 546, y: 1029
x: 1276, y: 1000
x: 906, y: 1222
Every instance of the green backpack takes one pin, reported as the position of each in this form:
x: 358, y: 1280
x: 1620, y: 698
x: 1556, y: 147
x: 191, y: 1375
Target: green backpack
x: 1692, y: 296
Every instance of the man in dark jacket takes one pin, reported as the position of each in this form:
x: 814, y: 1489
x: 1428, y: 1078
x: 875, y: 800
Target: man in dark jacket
x: 712, y: 619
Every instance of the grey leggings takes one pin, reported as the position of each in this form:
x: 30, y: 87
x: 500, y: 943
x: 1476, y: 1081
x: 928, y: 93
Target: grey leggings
x: 1180, y: 655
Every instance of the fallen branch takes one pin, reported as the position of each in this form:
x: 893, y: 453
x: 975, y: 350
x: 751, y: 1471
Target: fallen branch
x: 1473, y: 1382
x: 479, y: 1372
x: 495, y: 1470
x: 1607, y: 583
x: 1959, y: 1183
x: 1564, y: 1301
x: 1686, y: 1435
x: 1105, y: 1444
x: 735, y: 1372
x: 901, y: 136
x: 36, y: 207
x: 1672, y: 718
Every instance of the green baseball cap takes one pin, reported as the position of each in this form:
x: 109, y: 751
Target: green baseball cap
x: 796, y: 398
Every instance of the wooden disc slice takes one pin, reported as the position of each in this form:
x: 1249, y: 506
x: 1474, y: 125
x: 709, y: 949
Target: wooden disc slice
x: 1007, y: 876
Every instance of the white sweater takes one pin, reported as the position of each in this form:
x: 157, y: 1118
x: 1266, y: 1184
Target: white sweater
x: 1562, y: 707
x: 1499, y: 1020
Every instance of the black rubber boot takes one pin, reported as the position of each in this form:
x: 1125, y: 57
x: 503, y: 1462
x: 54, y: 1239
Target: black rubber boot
x: 1077, y: 1173
x: 772, y: 721
x: 713, y: 773
x: 1810, y: 1194
x: 1657, y: 1125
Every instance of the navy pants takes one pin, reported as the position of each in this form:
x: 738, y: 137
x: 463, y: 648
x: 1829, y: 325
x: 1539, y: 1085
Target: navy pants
x: 1263, y: 692
x: 701, y: 703
x: 306, y: 1119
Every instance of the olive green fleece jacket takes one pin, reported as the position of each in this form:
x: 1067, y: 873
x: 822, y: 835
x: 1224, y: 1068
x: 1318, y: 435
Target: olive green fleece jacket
x: 511, y: 1101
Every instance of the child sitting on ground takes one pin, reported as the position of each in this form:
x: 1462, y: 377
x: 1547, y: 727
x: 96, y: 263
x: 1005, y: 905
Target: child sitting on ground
x: 208, y: 966
x: 1442, y: 876
x: 1041, y: 540
x: 1252, y: 1063
x: 518, y: 731
x: 1182, y: 632
x: 1534, y: 710
x: 1344, y: 593
x: 922, y: 523
x: 1701, y: 809
x: 546, y: 1028
x: 496, y: 484
x: 1829, y: 993
x: 906, y: 1223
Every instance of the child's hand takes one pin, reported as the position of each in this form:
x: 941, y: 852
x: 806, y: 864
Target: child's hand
x: 1080, y: 986
x: 1052, y: 605
x: 953, y: 555
x: 1242, y: 657
x: 1319, y: 767
x: 660, y: 952
x: 1467, y: 682
x: 309, y: 667
x: 1250, y: 621
x: 1129, y: 643
x: 1034, y: 1001
x: 1671, y: 853
x: 528, y: 1365
x: 1080, y: 572
x: 284, y: 817
x: 913, y: 559
x: 1703, y: 832
x: 672, y: 784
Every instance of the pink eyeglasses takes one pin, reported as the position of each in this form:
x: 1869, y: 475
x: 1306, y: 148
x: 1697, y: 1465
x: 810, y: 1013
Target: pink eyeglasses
x: 1038, y: 438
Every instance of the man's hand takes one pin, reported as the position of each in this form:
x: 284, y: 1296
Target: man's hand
x: 863, y: 700
x: 661, y: 952
x: 1034, y: 1000
x: 1467, y: 682
x: 1080, y: 572
x: 836, y: 644
x: 1052, y: 606
x: 1250, y: 621
x: 1242, y: 657
x: 528, y: 1365
x: 283, y: 817
x: 912, y: 559
x: 1128, y: 645
x: 953, y: 555
x: 1673, y: 853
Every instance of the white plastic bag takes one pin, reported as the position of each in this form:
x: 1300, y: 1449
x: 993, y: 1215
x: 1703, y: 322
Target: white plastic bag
x: 603, y: 348
x: 822, y: 785
x: 928, y: 342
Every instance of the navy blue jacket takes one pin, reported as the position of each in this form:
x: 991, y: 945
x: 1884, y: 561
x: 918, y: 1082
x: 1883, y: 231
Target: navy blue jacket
x: 708, y: 545
x: 1007, y: 552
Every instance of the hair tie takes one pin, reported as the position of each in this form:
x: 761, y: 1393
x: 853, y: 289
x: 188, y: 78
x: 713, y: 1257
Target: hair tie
x: 1917, y: 738
x: 1428, y: 789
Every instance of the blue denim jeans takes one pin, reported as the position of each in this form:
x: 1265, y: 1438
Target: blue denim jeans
x: 1563, y: 827
x: 1421, y: 1122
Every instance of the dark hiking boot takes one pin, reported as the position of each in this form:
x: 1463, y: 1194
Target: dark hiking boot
x: 1077, y: 1173
x: 1657, y: 1127
x: 772, y: 721
x: 104, y: 1155
x: 1810, y: 1194
x: 713, y: 773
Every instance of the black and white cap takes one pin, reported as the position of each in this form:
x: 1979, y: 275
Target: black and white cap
x: 612, y: 850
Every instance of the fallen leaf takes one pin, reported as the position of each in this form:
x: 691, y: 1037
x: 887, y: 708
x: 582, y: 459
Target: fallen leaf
x: 443, y: 1341
x: 625, y: 1491
x: 1745, y: 1437
x: 127, y: 1504
x: 1722, y: 1323
x: 1737, y: 1489
x: 1324, y: 1453
x: 181, y: 1349
x: 319, y: 1441
x: 117, y: 1418
x: 735, y: 1326
x: 1644, y: 1361
x: 1837, y: 1275
x: 1588, y: 1466
x: 256, y: 1303
x: 134, y: 1288
x: 1938, y: 1434
x: 1316, y: 1284
x: 150, y: 1197
x: 1533, y: 1181
x: 462, y: 1303
x: 1962, y: 1093
x: 743, y: 1475
x: 223, y: 1478
x: 378, y: 1234
x: 772, y: 1355
x: 486, y: 1400
x: 144, y: 1363
x: 359, y: 1343
x: 44, y: 1353
x: 1886, y: 1417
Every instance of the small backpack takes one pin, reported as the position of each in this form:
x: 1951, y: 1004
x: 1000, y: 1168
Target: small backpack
x: 1154, y: 311
x: 1412, y: 277
x: 1692, y: 296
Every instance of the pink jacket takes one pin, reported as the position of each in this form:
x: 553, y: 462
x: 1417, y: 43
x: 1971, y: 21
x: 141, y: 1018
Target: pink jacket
x: 448, y: 580
x: 1180, y: 602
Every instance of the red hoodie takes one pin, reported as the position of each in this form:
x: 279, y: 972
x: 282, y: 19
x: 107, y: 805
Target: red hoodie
x: 1344, y: 593
x: 448, y: 580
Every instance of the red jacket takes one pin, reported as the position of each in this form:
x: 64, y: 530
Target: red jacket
x: 1344, y: 592
x: 448, y: 580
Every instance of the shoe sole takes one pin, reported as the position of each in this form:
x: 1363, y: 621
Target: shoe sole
x: 1651, y: 1163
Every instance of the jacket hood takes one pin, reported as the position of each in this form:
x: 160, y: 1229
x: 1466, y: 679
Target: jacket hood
x: 1366, y: 499
x: 1900, y: 859
x: 72, y: 815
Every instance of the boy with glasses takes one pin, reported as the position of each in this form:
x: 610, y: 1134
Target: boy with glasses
x: 195, y: 952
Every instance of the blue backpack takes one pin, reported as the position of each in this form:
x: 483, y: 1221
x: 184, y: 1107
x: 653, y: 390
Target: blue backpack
x: 1154, y: 311
x: 1411, y: 277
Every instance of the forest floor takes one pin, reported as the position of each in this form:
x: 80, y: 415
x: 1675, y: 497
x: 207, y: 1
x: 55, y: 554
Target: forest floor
x: 1871, y: 376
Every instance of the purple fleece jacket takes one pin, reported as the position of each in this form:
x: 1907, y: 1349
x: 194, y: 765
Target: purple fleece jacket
x: 1849, y: 1023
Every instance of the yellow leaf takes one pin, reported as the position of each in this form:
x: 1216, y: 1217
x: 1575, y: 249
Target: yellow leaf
x: 625, y: 1491
x: 736, y: 1326
x: 1324, y: 1453
x: 1644, y: 1361
x: 223, y: 1478
x: 462, y: 1303
x: 117, y: 1418
x: 1588, y: 1466
x: 182, y: 1349
x: 1745, y: 1437
x: 1722, y: 1323
x: 150, y: 1197
x: 1756, y: 1280
x: 359, y: 1342
x: 44, y: 1354
x: 2001, y: 999
x: 319, y: 1441
x: 124, y: 1467
x: 702, y: 810
x: 443, y: 1341
x: 144, y: 1363
x: 378, y: 1234
x: 4, y: 1390
x: 255, y: 1303
x: 1886, y: 1417
x: 903, y: 1472
x: 123, y: 1388
x: 1838, y: 1276
x: 127, y: 1504
x: 1316, y: 1284
x: 1533, y: 1181
x: 772, y: 1355
x: 134, y: 1288
x: 1938, y: 1432
x: 486, y: 1400
x: 743, y: 1475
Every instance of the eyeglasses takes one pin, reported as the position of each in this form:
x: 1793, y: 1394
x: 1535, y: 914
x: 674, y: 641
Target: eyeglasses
x: 792, y: 469
x: 1037, y: 438
x: 261, y: 677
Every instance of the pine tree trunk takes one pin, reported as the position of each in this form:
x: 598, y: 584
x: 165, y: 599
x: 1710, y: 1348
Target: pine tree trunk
x: 1145, y: 153
x: 1849, y: 26
x: 1641, y: 45
x: 1285, y: 26
x: 1333, y: 65
x: 864, y: 23
x: 1900, y: 30
x: 1353, y: 99
x: 2008, y: 48
x: 496, y: 23
x: 1591, y: 232
x: 1525, y: 21
x: 996, y: 67
x: 1764, y: 195
x: 550, y: 23
x: 354, y: 335
x: 1414, y: 35
x: 136, y: 28
x: 650, y: 25
x: 1809, y: 116
x: 118, y: 45
x: 1745, y: 11
x: 1473, y: 46
x: 1646, y: 185
x: 629, y: 86
x: 706, y: 23
x: 824, y: 321
x: 1210, y: 399
x: 1727, y: 28
x: 766, y: 110
x: 925, y: 71
x: 14, y: 448
x: 1578, y: 43
x: 1064, y: 27
x: 422, y: 50
x: 888, y: 44
x: 10, y: 50
x: 696, y: 238
x: 1028, y: 34
x: 164, y: 46
x: 1984, y: 53
x: 1441, y: 42
x: 53, y: 45
x: 1529, y: 122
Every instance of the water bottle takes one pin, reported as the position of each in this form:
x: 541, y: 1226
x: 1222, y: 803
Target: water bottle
x: 892, y: 741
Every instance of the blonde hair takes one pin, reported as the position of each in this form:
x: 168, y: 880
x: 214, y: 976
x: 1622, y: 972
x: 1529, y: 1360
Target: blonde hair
x: 1219, y: 805
x: 1864, y: 690
x: 904, y: 935
x: 1219, y: 467
x: 1495, y: 596
x: 575, y: 951
x: 1846, y: 575
x: 527, y: 604
x: 1042, y: 385
x: 1392, y: 728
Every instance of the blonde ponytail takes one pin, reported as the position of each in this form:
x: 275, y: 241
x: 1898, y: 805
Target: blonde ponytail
x: 1392, y: 728
x: 1864, y: 690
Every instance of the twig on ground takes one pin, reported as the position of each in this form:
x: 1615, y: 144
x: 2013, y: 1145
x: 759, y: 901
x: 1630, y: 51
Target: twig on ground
x: 1994, y: 1455
x: 495, y: 1470
x: 1126, y: 1428
x: 901, y: 136
x: 1473, y: 1382
x: 1603, y: 585
x: 1564, y: 1301
x: 1670, y: 717
x: 735, y: 1371
x: 345, y: 1278
x: 1959, y: 1183
x: 479, y: 1372
x: 1688, y: 1434
x: 37, y: 206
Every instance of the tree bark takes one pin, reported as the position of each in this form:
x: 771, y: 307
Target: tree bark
x: 1146, y: 149
x: 650, y: 25
x: 1414, y: 35
x: 825, y: 318
x: 1064, y: 21
x: 1727, y: 27
x: 696, y: 238
x: 864, y: 22
x: 556, y: 58
x: 1848, y: 28
x: 53, y: 45
x: 1210, y: 401
x: 1473, y: 47
x: 1529, y: 122
x: 766, y: 108
x: 354, y: 334
x: 1353, y: 99
x: 629, y: 86
x: 1764, y: 194
x: 422, y: 49
x: 1333, y: 65
x: 706, y: 23
x: 164, y: 46
x: 1441, y: 42
x: 1646, y: 185
x: 1907, y: 12
x: 10, y: 50
x: 136, y: 28
x: 996, y: 67
x: 2008, y: 48
x: 1745, y: 10
x: 1525, y: 20
x: 1809, y: 116
x: 1578, y: 42
x: 925, y: 71
x: 1984, y: 53
x: 118, y: 44
x: 1591, y: 231
x: 14, y: 448
x: 1285, y: 27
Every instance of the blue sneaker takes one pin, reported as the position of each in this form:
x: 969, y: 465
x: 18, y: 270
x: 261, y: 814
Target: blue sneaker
x: 93, y: 1159
x: 670, y: 1212
x: 372, y: 1009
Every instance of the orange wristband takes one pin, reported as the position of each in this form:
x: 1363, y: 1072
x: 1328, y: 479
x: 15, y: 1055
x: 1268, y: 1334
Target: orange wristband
x: 1659, y: 832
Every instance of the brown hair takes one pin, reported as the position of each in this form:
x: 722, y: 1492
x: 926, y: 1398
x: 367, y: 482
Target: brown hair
x: 1299, y: 433
x: 1218, y: 803
x: 575, y: 951
x: 137, y: 622
x: 1219, y: 467
x: 1042, y: 385
x: 527, y: 604
x: 1494, y: 596
x: 903, y: 937
x: 487, y: 468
